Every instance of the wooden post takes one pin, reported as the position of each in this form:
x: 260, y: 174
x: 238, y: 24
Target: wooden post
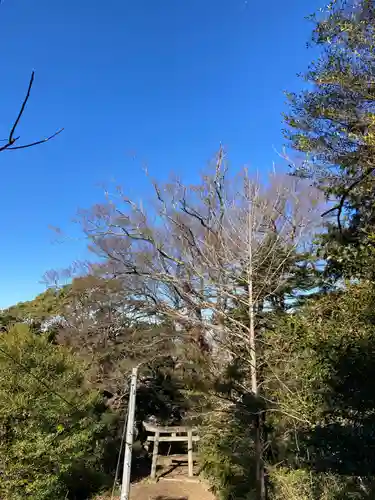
x: 190, y: 452
x: 155, y: 455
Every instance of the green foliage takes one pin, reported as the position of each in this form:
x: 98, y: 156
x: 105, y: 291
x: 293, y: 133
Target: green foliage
x: 44, y: 306
x: 317, y: 372
x: 53, y: 429
x: 320, y: 360
x: 300, y: 484
x: 227, y: 453
x: 321, y: 363
x: 334, y: 123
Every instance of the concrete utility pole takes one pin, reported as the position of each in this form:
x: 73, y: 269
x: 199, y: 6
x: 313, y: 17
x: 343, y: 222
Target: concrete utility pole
x: 125, y: 486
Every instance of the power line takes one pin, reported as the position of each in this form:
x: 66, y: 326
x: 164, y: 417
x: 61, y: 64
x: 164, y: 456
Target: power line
x: 119, y: 454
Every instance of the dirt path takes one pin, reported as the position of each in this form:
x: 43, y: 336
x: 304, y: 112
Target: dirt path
x: 170, y: 490
x: 173, y: 484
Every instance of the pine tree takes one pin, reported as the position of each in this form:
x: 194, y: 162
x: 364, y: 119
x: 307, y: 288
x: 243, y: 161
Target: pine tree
x: 333, y: 121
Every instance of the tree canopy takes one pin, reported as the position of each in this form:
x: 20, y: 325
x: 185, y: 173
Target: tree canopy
x: 332, y: 121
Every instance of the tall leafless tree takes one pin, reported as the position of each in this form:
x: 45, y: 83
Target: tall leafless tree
x: 196, y: 252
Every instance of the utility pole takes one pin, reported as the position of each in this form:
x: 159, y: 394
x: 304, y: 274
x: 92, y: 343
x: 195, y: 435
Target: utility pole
x: 125, y: 485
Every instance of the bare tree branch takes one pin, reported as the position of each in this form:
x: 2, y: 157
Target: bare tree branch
x: 12, y: 139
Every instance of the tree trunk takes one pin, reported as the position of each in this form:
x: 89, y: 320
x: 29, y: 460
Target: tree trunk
x: 259, y: 473
x: 260, y: 469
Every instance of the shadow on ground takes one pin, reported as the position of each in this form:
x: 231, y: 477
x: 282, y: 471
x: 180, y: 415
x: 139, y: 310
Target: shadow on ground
x: 170, y: 498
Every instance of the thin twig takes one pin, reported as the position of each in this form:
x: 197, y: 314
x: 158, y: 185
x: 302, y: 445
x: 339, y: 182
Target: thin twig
x: 42, y: 141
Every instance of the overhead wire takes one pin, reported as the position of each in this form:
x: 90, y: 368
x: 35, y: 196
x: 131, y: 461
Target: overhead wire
x: 119, y: 454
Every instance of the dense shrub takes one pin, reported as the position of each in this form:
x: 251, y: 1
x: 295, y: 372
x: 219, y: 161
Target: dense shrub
x: 226, y: 452
x: 53, y: 430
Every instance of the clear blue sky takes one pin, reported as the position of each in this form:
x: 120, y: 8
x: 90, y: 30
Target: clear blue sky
x: 164, y: 80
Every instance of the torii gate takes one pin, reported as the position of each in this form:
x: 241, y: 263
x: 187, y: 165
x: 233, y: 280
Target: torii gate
x: 171, y: 433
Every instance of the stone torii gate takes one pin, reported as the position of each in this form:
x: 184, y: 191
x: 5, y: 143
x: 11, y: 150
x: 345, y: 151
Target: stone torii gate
x: 170, y: 434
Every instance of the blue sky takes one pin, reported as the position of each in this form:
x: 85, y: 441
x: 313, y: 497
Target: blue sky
x: 134, y: 82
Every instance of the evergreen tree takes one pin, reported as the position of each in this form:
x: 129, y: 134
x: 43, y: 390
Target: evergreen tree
x: 333, y: 121
x: 53, y: 429
x: 320, y: 366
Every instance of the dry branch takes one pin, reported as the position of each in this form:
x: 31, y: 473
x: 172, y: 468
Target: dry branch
x: 10, y: 142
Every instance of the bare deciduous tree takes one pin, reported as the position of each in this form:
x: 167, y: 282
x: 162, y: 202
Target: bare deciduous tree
x: 197, y: 253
